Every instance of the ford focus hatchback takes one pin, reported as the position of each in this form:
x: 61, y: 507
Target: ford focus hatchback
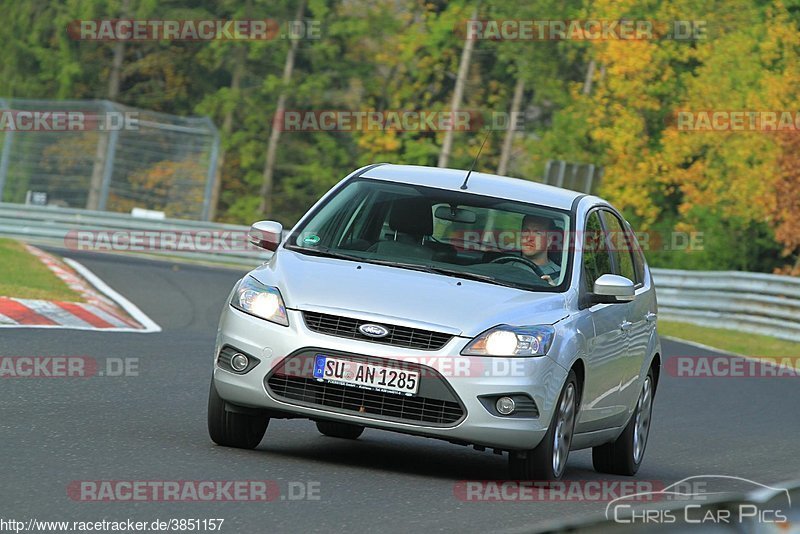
x: 491, y: 312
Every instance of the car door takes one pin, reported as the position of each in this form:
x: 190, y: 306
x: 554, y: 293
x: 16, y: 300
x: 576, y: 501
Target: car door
x: 645, y: 293
x: 637, y: 326
x: 602, y: 406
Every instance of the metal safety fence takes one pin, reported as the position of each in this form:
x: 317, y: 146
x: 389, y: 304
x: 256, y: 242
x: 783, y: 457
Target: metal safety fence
x: 99, y: 155
x: 99, y: 231
x: 754, y: 302
x: 575, y: 176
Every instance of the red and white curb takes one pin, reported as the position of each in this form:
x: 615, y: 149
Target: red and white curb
x: 104, y: 309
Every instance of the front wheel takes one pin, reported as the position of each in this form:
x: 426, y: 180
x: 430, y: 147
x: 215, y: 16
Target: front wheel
x: 548, y: 460
x: 231, y: 429
x: 625, y: 455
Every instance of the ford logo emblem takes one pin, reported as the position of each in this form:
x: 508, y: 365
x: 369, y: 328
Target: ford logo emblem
x: 373, y: 330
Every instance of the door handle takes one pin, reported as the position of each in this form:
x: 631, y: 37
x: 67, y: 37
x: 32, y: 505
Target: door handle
x: 625, y: 326
x: 650, y: 317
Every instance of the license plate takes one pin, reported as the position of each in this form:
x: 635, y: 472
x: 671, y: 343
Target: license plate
x: 366, y: 375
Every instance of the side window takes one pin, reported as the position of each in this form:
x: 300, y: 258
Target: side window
x: 638, y: 255
x: 619, y: 245
x: 596, y: 258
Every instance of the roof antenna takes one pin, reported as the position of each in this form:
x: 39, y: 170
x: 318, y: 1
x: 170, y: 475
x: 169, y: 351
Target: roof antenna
x: 464, y: 185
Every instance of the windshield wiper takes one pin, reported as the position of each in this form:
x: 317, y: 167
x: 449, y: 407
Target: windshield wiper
x: 324, y: 253
x: 412, y: 266
x: 328, y: 253
x: 471, y: 276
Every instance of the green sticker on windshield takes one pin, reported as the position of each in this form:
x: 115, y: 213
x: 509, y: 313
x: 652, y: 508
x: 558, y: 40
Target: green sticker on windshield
x: 312, y: 240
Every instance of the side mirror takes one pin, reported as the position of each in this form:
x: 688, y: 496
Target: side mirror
x: 266, y: 234
x: 611, y: 288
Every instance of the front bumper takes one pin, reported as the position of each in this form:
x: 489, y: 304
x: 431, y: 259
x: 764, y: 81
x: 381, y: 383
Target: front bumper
x: 468, y: 378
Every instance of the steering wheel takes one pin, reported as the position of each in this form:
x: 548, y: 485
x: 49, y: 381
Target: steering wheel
x: 526, y: 261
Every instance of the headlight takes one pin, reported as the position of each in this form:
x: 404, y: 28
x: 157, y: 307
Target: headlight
x: 507, y: 340
x: 262, y: 301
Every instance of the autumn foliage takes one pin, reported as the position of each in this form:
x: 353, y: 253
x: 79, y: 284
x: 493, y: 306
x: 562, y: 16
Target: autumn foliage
x: 610, y: 103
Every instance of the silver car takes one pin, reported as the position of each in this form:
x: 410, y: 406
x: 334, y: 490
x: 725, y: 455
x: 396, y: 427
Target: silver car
x: 485, y: 311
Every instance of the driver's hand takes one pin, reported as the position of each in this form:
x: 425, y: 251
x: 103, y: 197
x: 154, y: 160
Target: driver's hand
x: 549, y: 280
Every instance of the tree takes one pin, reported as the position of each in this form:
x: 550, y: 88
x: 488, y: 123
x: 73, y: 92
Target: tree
x: 275, y: 134
x: 98, y: 168
x: 458, y: 92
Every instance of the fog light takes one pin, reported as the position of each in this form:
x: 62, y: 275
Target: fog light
x: 505, y: 405
x: 239, y: 362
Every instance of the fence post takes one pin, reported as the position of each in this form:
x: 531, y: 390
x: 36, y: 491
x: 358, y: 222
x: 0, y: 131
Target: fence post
x: 6, y: 154
x: 562, y: 166
x: 589, y: 179
x: 573, y: 177
x: 94, y: 199
x: 547, y: 166
x: 108, y: 169
x: 208, y: 209
x: 5, y: 159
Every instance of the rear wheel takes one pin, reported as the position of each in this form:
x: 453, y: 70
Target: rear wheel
x: 339, y: 430
x: 548, y: 460
x: 624, y: 456
x: 231, y: 429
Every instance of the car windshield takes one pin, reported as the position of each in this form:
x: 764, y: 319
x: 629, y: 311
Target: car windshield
x: 458, y: 234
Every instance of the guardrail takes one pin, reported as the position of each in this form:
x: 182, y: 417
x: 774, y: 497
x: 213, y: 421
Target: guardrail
x: 762, y: 303
x: 67, y: 227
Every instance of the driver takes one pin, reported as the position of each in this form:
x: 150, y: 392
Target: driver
x: 537, y: 234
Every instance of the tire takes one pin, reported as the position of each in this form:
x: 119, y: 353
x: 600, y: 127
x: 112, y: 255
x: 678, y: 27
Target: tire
x: 548, y: 460
x: 339, y: 430
x: 625, y: 455
x: 231, y: 429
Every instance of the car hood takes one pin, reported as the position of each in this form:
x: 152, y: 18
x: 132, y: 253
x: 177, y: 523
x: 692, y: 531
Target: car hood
x: 402, y: 296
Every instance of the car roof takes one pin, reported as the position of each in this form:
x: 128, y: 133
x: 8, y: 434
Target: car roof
x: 479, y: 183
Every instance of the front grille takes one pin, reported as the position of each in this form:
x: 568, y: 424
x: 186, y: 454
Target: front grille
x: 399, y: 336
x: 435, y: 403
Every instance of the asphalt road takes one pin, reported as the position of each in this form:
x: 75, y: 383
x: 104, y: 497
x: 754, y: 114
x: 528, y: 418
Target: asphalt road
x: 152, y: 427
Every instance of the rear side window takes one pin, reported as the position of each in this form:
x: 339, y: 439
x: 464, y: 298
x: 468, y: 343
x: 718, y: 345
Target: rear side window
x: 620, y: 247
x: 596, y: 257
x: 638, y: 255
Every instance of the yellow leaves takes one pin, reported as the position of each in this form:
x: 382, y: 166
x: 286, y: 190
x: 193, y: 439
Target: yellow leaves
x: 379, y: 142
x: 625, y: 57
x: 610, y: 9
x: 750, y: 65
x: 173, y: 186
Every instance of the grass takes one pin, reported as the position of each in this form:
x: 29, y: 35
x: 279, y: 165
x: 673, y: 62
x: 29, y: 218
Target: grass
x: 731, y: 340
x: 22, y: 275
